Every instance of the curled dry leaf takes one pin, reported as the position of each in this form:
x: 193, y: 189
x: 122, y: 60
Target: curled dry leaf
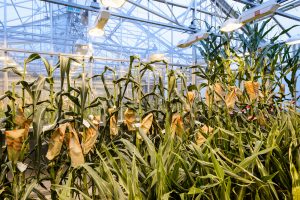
x: 96, y: 121
x: 20, y: 118
x: 56, y: 141
x: 252, y: 89
x: 208, y: 97
x: 207, y: 129
x: 146, y: 123
x: 200, y: 139
x: 113, y: 123
x: 231, y: 98
x: 14, y: 142
x: 177, y: 125
x: 75, y: 151
x: 129, y: 119
x: 90, y: 137
x: 98, y: 118
x: 215, y: 91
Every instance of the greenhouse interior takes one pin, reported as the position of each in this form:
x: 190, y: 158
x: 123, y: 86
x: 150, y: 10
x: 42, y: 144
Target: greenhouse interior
x: 150, y: 99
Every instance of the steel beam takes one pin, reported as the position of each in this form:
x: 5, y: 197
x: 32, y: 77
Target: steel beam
x: 152, y: 11
x: 136, y: 19
x: 289, y: 6
x: 280, y: 25
x: 78, y: 56
x: 186, y: 7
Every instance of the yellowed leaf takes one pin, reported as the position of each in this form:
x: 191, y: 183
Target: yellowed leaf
x: 200, y: 139
x: 75, y: 151
x: 90, y: 137
x: 14, y: 141
x: 129, y: 119
x: 56, y: 142
x: 231, y: 98
x: 146, y: 123
x: 113, y: 123
x: 191, y: 96
x: 177, y: 126
x: 252, y: 89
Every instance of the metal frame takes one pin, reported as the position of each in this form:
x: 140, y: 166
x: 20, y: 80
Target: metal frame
x: 140, y: 27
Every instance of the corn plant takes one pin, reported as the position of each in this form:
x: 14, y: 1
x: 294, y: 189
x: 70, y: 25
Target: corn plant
x: 238, y: 141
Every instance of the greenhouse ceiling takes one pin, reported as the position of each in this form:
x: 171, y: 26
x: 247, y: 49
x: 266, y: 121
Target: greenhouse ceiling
x: 139, y: 27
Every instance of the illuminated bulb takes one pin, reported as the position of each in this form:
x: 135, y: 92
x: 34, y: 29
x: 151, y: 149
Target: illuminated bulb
x: 259, y: 11
x: 113, y: 3
x: 231, y: 25
x: 96, y: 32
x: 157, y: 57
x: 98, y: 29
x: 193, y: 39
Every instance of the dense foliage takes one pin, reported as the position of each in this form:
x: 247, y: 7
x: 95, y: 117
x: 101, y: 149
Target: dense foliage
x: 238, y: 141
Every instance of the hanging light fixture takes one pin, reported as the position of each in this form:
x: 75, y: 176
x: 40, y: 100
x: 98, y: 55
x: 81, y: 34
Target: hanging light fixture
x: 230, y: 25
x: 293, y: 40
x: 192, y: 39
x: 113, y: 3
x: 81, y: 47
x: 101, y: 20
x: 257, y: 12
x: 158, y: 57
x: 260, y: 11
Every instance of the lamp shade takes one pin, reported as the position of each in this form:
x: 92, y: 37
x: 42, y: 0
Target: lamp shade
x: 96, y: 32
x: 157, y: 57
x: 230, y: 25
x: 101, y: 21
x: 113, y: 3
x: 192, y: 39
x: 260, y: 11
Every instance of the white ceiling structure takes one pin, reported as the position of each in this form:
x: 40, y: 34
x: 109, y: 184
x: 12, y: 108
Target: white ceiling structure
x: 139, y: 27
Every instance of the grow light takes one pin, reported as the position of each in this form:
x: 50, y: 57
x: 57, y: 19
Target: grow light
x: 192, y: 39
x: 157, y: 57
x: 96, y: 32
x: 230, y: 25
x: 113, y: 3
x: 293, y: 40
x: 8, y: 60
x: 98, y: 29
x: 259, y: 11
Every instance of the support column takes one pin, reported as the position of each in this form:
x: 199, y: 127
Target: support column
x: 5, y: 74
x: 194, y: 48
